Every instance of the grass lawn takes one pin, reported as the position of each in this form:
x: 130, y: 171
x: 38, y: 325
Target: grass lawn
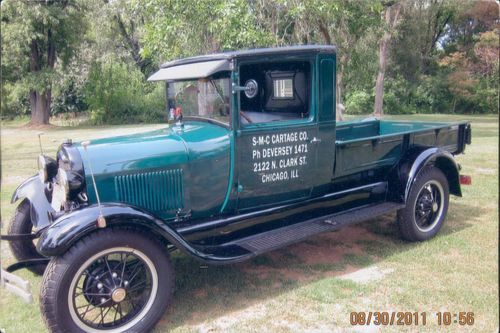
x: 300, y: 288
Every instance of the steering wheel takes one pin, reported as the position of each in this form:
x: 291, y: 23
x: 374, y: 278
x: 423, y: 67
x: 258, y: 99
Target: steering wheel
x: 243, y: 115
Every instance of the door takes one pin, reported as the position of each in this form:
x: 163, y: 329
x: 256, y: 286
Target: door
x: 275, y: 165
x: 276, y: 140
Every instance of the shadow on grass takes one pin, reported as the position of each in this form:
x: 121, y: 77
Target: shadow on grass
x: 206, y: 293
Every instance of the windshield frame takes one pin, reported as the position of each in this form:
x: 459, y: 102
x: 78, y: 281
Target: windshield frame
x: 225, y: 100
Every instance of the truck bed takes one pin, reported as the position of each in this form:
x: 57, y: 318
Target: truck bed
x: 373, y: 144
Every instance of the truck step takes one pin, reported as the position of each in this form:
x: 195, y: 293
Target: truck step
x: 295, y: 233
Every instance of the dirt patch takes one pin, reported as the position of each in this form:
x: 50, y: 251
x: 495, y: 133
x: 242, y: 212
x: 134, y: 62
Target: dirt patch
x: 200, y: 293
x: 367, y: 275
x: 222, y: 323
x: 326, y: 250
x: 332, y: 247
x: 38, y: 126
x: 268, y: 272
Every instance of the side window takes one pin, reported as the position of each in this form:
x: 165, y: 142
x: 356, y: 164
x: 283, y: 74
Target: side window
x: 282, y: 93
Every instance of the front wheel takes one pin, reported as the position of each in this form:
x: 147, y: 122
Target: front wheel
x: 426, y: 206
x: 112, y: 280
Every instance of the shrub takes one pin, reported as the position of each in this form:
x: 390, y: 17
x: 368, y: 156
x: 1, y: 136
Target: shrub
x: 118, y: 93
x: 359, y: 102
x: 70, y: 99
x: 14, y: 100
x: 393, y: 105
x: 397, y: 94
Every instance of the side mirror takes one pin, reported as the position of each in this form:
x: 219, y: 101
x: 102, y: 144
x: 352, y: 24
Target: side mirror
x: 250, y: 88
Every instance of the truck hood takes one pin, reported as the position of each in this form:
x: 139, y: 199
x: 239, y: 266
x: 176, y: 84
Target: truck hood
x: 157, y: 149
x: 162, y: 171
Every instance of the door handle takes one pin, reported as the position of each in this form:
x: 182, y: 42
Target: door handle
x: 315, y: 140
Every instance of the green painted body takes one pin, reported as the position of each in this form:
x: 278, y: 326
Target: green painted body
x: 202, y: 170
x: 184, y: 168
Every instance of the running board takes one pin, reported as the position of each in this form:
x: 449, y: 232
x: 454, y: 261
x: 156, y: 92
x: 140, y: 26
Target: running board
x: 254, y: 245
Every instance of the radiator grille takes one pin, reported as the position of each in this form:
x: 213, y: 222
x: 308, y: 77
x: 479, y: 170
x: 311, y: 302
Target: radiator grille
x: 156, y: 191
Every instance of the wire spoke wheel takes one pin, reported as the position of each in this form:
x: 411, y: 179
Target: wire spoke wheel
x: 113, y: 289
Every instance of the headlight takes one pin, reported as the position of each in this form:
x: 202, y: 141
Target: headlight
x: 42, y: 169
x: 47, y: 168
x: 70, y: 181
x: 62, y: 180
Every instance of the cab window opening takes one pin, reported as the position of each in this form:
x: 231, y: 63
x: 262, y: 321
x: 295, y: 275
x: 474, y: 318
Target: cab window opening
x: 283, y: 93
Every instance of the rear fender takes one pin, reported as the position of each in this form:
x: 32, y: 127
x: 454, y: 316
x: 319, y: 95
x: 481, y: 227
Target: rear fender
x: 403, y: 176
x: 68, y: 229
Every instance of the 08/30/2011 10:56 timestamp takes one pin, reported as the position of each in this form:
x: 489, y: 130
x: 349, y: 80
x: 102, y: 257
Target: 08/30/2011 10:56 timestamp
x: 407, y: 318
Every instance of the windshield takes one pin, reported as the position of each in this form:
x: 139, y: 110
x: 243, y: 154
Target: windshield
x: 205, y: 98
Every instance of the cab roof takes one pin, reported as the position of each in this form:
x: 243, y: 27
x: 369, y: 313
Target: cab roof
x: 252, y: 53
x: 206, y: 65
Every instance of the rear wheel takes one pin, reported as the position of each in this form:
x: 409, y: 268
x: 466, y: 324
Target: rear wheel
x: 113, y: 281
x: 24, y: 249
x: 426, y: 207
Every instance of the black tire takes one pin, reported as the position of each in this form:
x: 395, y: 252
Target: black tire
x: 58, y: 299
x: 24, y: 249
x: 426, y: 207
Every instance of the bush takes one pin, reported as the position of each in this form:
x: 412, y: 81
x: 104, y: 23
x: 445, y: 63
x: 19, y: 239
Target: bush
x: 393, y: 105
x: 397, y: 96
x: 362, y: 103
x: 118, y: 93
x: 486, y: 100
x: 359, y: 103
x: 70, y: 99
x: 14, y: 101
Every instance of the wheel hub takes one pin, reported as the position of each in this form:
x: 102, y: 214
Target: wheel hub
x: 428, y: 205
x: 102, y: 288
x: 118, y: 295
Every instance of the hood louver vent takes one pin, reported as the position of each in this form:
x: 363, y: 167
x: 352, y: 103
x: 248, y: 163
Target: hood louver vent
x: 156, y: 191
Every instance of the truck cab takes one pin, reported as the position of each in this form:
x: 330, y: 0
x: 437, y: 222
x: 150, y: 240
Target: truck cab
x: 281, y: 128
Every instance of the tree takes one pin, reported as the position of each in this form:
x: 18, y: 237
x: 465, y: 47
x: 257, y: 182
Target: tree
x: 120, y: 25
x: 179, y: 28
x: 347, y: 24
x: 391, y: 20
x: 36, y: 36
x: 424, y: 30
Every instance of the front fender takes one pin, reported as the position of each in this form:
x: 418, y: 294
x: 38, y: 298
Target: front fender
x: 34, y: 190
x: 68, y: 229
x: 402, y: 178
x: 23, y: 190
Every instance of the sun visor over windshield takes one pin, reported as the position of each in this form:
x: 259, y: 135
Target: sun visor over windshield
x: 190, y: 71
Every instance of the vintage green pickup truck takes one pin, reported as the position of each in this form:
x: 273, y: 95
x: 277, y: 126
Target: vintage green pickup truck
x: 252, y: 159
